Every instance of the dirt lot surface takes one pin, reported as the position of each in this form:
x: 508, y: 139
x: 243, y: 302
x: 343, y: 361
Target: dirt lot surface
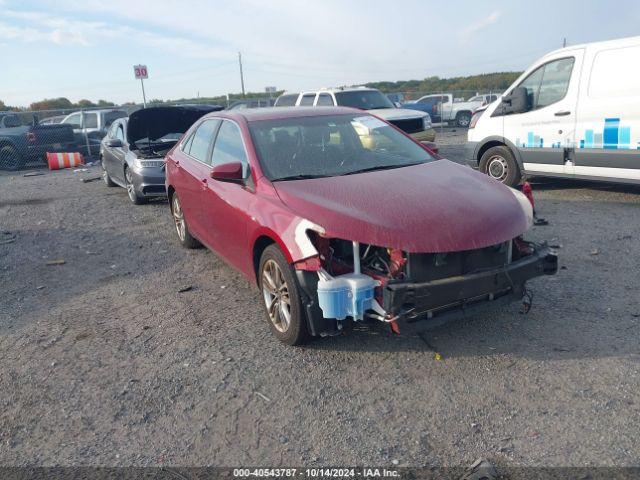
x: 105, y: 361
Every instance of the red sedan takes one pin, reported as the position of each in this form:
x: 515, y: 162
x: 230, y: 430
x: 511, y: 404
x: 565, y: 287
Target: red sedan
x: 339, y: 217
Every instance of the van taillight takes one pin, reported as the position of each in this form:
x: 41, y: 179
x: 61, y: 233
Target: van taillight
x: 31, y: 137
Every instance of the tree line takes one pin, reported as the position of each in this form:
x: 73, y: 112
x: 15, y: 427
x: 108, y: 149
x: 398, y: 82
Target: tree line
x: 60, y: 103
x: 495, y: 82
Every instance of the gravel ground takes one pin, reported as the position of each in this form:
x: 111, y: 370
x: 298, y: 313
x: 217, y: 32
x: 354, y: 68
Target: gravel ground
x: 105, y: 362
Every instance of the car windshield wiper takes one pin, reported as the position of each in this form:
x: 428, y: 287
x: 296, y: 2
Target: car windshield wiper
x: 381, y: 167
x: 298, y: 177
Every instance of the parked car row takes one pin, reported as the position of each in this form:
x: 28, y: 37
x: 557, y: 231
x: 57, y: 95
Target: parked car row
x: 338, y: 216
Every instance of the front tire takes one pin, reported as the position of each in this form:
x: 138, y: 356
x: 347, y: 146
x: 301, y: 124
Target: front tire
x: 500, y: 164
x: 10, y: 158
x: 186, y: 240
x: 281, y: 297
x: 131, y: 189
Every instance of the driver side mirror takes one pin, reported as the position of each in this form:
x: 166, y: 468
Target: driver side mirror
x: 516, y: 102
x: 228, y: 172
x: 114, y: 143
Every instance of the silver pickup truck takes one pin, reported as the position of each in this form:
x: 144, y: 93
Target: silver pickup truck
x: 90, y: 127
x: 445, y: 108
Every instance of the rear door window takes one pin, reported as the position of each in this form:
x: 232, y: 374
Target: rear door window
x: 199, y: 148
x: 287, y: 100
x: 307, y: 99
x: 75, y: 120
x: 90, y: 120
x: 324, y: 100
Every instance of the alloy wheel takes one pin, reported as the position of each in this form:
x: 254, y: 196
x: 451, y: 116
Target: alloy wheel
x: 178, y: 218
x: 130, y: 188
x: 275, y: 292
x: 105, y: 175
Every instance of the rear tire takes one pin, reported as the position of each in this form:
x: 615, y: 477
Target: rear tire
x: 10, y: 158
x: 186, y: 240
x: 281, y: 297
x: 105, y: 176
x: 500, y: 164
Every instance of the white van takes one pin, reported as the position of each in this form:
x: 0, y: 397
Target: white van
x: 575, y: 113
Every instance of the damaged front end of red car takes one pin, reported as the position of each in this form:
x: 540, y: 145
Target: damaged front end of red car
x: 351, y: 282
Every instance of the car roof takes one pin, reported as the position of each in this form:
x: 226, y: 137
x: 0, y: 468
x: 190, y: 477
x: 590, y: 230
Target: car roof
x: 275, y: 113
x: 331, y: 90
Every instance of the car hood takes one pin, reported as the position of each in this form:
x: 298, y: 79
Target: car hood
x: 434, y: 207
x: 396, y: 113
x: 156, y: 122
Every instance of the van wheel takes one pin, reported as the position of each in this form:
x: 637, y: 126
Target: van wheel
x: 281, y: 297
x: 463, y: 119
x: 500, y: 164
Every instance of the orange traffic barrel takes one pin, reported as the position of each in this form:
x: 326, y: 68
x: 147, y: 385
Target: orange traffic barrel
x: 57, y: 161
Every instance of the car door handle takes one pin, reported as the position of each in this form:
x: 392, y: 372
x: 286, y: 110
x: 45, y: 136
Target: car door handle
x: 562, y: 113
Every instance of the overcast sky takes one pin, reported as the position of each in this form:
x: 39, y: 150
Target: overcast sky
x: 86, y: 48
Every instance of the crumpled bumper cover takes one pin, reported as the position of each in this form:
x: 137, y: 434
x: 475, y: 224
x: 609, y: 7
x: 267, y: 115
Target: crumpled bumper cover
x: 427, y: 300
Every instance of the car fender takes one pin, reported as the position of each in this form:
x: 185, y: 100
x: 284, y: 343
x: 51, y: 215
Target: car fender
x: 272, y: 235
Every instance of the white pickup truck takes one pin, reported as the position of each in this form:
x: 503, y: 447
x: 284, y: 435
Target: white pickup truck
x: 444, y: 107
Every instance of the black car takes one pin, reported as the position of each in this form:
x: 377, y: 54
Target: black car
x: 132, y: 153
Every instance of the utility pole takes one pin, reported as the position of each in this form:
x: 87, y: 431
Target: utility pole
x: 241, y: 75
x: 144, y: 96
x: 564, y: 42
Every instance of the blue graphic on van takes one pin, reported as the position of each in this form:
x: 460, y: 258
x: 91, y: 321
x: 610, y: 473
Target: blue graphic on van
x: 537, y: 141
x: 613, y: 137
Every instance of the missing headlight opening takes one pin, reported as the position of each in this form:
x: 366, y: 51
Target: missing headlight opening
x: 362, y: 282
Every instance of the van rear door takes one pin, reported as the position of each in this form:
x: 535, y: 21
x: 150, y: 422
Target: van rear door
x: 608, y: 123
x: 544, y: 134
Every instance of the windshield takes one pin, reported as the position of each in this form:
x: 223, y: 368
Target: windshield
x: 326, y: 146
x: 363, y: 99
